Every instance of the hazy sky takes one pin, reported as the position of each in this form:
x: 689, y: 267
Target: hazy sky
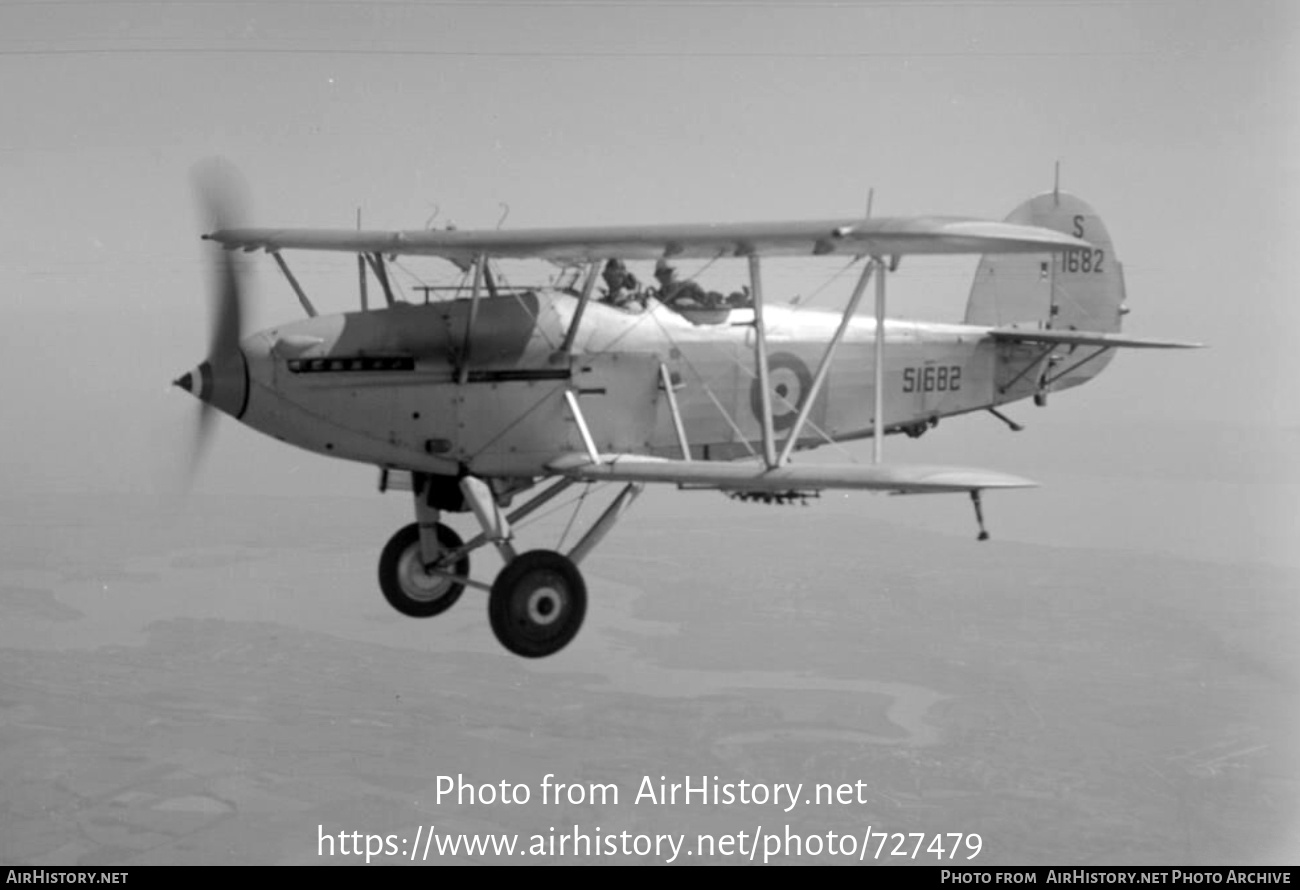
x: 1177, y: 121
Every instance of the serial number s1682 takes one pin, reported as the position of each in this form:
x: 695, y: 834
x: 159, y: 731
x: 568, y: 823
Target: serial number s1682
x: 932, y: 378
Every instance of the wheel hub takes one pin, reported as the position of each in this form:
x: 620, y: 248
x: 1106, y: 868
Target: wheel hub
x: 417, y: 583
x: 545, y: 605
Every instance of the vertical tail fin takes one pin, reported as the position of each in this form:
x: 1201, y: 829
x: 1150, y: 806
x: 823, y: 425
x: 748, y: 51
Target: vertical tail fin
x: 1081, y: 290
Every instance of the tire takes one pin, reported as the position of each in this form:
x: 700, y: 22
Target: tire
x: 407, y: 587
x: 537, y: 604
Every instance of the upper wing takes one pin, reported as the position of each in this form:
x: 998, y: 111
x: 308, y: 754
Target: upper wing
x: 898, y: 478
x: 1086, y: 338
x: 878, y: 237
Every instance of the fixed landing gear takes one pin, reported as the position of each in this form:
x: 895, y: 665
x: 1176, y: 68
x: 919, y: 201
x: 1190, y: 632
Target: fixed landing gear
x: 408, y: 585
x: 538, y: 601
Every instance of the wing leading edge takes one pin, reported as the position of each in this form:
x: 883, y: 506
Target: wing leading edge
x: 862, y: 237
x: 897, y: 478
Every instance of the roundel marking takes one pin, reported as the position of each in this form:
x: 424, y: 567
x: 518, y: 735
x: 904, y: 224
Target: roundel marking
x: 790, y: 380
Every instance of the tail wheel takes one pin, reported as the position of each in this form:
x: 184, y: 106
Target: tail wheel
x: 408, y: 586
x: 537, y: 603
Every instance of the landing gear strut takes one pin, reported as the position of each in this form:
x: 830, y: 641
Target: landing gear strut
x: 979, y: 514
x: 538, y: 601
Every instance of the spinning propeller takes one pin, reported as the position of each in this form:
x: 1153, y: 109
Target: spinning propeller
x: 220, y: 382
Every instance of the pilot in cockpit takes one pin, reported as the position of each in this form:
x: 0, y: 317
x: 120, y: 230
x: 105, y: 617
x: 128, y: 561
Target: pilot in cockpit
x: 622, y: 288
x: 679, y: 294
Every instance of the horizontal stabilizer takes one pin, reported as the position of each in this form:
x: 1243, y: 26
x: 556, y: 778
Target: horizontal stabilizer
x: 1085, y: 338
x: 854, y: 237
x: 898, y: 478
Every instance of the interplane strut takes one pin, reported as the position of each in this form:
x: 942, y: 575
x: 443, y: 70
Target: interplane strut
x: 824, y: 367
x: 760, y: 356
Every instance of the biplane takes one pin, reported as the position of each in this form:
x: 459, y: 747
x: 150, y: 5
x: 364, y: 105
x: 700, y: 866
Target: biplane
x: 496, y: 400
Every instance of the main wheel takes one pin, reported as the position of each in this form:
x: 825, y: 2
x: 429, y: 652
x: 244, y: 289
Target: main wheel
x: 407, y: 586
x: 537, y: 603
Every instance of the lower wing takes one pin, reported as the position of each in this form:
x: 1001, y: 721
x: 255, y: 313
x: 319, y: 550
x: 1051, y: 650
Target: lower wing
x: 896, y: 478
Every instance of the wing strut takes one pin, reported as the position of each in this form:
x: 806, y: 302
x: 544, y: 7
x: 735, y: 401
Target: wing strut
x: 293, y: 283
x: 760, y: 357
x: 587, y: 288
x: 361, y: 271
x: 479, y: 265
x: 377, y: 265
x: 878, y: 385
x: 583, y: 430
x: 361, y: 281
x: 666, y: 381
x: 822, y: 369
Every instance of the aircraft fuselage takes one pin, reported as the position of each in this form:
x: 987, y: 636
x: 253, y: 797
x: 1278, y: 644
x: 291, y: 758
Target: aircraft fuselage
x: 404, y: 387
